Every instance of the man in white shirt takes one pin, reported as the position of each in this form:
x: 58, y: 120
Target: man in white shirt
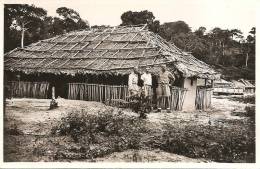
x: 147, y: 82
x: 133, y: 87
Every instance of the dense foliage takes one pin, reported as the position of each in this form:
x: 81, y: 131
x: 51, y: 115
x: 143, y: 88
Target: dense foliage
x: 37, y: 24
x: 218, y: 46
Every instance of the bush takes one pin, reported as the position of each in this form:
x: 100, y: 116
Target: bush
x: 97, y: 135
x: 229, y: 143
x: 13, y: 130
x: 102, y: 133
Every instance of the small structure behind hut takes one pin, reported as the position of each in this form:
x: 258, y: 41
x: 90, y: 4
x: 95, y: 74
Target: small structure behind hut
x: 223, y: 87
x: 248, y: 88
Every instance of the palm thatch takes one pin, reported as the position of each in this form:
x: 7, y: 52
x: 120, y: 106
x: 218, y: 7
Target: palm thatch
x: 113, y: 50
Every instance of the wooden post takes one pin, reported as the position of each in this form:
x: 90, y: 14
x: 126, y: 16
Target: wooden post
x: 53, y: 92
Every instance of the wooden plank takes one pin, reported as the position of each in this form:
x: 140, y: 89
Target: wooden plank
x: 110, y: 57
x: 130, y: 31
x: 145, y: 25
x: 115, y: 54
x: 74, y: 38
x: 133, y: 37
x: 63, y: 54
x: 106, y: 37
x: 95, y: 60
x: 139, y: 48
x: 84, y: 46
x: 73, y: 46
x: 121, y: 64
x: 65, y: 37
x: 84, y: 41
x: 122, y: 36
x: 85, y: 36
x: 67, y: 43
x: 49, y: 47
x: 75, y: 54
x: 51, y: 62
x: 97, y: 45
x: 44, y: 59
x: 141, y: 58
x: 63, y: 63
x: 88, y: 53
x: 95, y: 37
x: 103, y: 63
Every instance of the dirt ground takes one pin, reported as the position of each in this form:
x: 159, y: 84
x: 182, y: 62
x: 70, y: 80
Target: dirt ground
x: 29, y: 121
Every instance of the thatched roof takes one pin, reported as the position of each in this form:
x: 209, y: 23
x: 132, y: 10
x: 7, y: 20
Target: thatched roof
x: 105, y: 50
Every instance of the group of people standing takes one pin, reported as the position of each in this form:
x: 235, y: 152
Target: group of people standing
x: 162, y: 91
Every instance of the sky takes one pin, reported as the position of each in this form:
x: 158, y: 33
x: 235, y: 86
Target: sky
x: 226, y: 14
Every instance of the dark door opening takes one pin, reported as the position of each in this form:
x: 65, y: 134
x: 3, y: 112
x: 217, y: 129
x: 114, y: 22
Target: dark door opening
x: 60, y: 88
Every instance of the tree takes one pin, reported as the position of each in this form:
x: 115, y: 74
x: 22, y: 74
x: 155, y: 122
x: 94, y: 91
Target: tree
x: 169, y: 29
x: 190, y: 42
x: 220, y: 39
x: 31, y: 23
x: 250, y: 48
x: 252, y: 31
x: 137, y: 18
x: 142, y: 17
x: 201, y: 31
x: 251, y: 36
x: 22, y: 20
x: 68, y: 20
x: 236, y: 34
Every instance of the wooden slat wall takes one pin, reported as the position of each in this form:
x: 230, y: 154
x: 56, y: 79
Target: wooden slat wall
x: 203, y: 98
x: 29, y: 89
x: 113, y: 93
x: 96, y: 92
x: 176, y: 99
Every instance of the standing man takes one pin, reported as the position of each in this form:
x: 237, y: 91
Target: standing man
x: 133, y: 87
x: 163, y: 89
x: 147, y: 83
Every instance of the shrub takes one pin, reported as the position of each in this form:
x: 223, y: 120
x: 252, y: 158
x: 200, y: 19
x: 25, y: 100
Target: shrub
x: 13, y: 130
x: 219, y: 143
x: 102, y: 133
x: 96, y: 135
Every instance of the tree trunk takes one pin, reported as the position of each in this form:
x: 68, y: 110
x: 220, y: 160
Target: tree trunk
x: 223, y: 49
x: 246, y: 59
x: 22, y: 39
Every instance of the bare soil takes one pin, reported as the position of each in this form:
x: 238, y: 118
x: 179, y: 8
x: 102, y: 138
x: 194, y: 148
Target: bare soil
x: 28, y: 124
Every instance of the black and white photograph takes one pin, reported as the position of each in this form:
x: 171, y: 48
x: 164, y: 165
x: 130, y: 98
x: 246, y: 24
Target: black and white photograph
x: 131, y: 81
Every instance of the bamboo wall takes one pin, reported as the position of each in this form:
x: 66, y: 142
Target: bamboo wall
x: 96, y: 92
x: 22, y: 89
x: 177, y: 98
x: 116, y: 94
x: 203, y: 98
x: 103, y: 93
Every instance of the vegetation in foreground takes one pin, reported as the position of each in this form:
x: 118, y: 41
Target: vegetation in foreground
x: 84, y: 136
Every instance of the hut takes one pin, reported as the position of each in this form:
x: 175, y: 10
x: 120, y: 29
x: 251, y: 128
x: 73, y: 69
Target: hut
x: 95, y: 64
x: 223, y: 87
x: 248, y: 88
